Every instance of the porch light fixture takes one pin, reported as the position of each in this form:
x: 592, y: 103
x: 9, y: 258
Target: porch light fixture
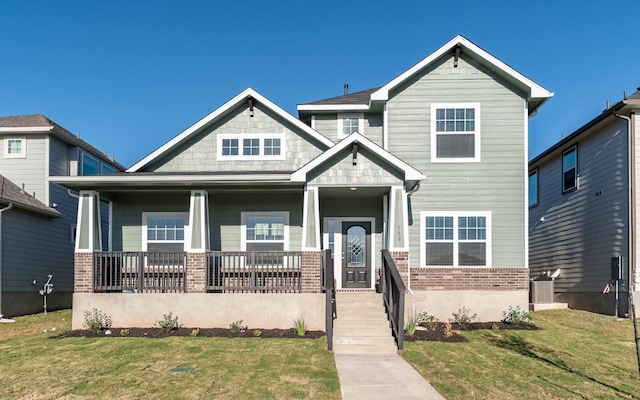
x: 354, y: 153
x: 353, y: 188
x: 250, y: 99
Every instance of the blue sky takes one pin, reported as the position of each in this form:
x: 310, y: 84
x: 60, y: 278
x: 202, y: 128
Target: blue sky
x: 130, y: 75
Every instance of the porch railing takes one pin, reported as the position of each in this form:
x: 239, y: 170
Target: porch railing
x: 329, y: 287
x: 393, y: 291
x: 139, y: 272
x: 254, y: 272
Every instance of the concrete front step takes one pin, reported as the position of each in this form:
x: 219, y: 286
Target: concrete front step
x: 358, y: 331
x: 364, y: 349
x: 363, y: 324
x: 363, y: 340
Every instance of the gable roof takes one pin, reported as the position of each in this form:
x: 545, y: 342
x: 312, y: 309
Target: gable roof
x: 12, y: 194
x: 38, y: 123
x: 410, y: 173
x: 536, y: 94
x: 221, y: 111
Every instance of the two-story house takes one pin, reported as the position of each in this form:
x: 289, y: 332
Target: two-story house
x: 38, y: 218
x: 583, y: 206
x: 431, y: 167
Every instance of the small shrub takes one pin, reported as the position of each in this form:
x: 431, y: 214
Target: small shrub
x: 495, y: 327
x: 448, y: 330
x: 168, y: 322
x: 299, y: 325
x: 95, y: 320
x: 236, y: 326
x: 124, y: 332
x: 517, y: 316
x: 427, y: 320
x: 195, y: 332
x: 257, y: 333
x: 463, y: 316
x: 412, y: 323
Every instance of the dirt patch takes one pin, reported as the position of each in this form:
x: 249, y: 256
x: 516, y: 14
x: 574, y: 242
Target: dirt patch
x: 202, y: 332
x: 438, y: 333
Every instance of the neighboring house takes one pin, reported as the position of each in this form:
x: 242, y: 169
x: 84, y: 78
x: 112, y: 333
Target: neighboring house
x: 39, y: 219
x: 580, y: 218
x: 431, y: 166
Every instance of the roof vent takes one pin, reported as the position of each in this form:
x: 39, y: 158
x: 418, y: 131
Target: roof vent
x: 346, y: 88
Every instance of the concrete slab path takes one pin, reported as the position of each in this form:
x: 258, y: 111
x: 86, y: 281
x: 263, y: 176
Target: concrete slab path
x: 381, y: 376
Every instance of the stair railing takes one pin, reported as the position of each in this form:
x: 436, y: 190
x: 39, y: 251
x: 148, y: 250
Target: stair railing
x: 393, y: 292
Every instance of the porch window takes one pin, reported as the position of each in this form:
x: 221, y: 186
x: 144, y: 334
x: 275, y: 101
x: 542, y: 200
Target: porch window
x: 164, y: 231
x: 454, y: 239
x: 15, y: 148
x: 349, y: 123
x: 266, y: 231
x: 455, y: 132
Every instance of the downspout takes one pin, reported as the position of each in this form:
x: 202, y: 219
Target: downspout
x: 631, y: 200
x: 7, y: 208
x: 413, y: 298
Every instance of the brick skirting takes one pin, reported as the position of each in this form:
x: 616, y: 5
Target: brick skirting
x: 469, y: 278
x: 196, y: 272
x: 83, y: 273
x: 311, y: 272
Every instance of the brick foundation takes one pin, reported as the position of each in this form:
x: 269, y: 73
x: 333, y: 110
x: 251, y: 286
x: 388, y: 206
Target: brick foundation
x: 495, y: 279
x: 83, y: 273
x: 196, y: 272
x: 311, y: 272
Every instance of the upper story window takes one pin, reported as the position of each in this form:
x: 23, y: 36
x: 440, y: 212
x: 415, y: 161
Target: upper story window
x: 15, y: 147
x: 455, y: 132
x: 570, y: 169
x: 455, y: 239
x: 90, y: 165
x: 106, y: 169
x: 248, y: 146
x: 265, y: 231
x: 533, y: 188
x: 349, y: 123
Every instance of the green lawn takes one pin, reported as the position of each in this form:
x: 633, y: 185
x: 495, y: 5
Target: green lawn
x: 34, y: 366
x: 575, y: 355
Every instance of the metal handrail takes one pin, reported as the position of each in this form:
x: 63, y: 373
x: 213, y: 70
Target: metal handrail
x: 329, y: 288
x: 393, y: 293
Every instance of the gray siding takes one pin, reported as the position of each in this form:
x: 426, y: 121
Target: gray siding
x: 495, y: 184
x: 200, y: 153
x: 327, y: 124
x: 583, y: 229
x: 369, y: 170
x: 29, y: 171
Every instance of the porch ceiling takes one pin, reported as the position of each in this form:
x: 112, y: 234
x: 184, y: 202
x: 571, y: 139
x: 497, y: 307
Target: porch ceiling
x: 346, y: 192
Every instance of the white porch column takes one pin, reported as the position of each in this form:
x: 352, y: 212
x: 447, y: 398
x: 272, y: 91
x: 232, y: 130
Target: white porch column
x: 88, y: 226
x: 398, y: 219
x: 311, y: 219
x: 199, y: 221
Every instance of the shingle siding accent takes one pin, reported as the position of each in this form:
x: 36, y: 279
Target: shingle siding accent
x: 83, y: 282
x: 196, y: 272
x: 494, y: 279
x: 311, y: 271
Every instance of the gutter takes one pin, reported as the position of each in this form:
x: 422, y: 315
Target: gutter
x: 7, y: 208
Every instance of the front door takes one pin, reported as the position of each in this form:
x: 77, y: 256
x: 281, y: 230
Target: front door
x: 356, y: 250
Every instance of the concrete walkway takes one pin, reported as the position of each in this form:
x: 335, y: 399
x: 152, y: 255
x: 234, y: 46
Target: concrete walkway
x: 381, y: 376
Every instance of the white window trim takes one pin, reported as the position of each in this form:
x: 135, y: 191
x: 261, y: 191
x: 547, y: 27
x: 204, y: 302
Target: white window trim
x: 455, y: 215
x: 360, y: 117
x: 261, y: 156
x: 147, y: 215
x: 476, y: 133
x: 243, y: 227
x: 22, y: 154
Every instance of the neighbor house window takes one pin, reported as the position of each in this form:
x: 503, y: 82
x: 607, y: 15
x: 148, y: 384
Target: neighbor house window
x: 251, y: 147
x: 15, y: 148
x: 455, y: 239
x: 533, y: 188
x: 265, y: 231
x: 349, y: 123
x: 106, y: 170
x: 90, y: 166
x: 455, y: 132
x: 164, y: 231
x: 570, y: 169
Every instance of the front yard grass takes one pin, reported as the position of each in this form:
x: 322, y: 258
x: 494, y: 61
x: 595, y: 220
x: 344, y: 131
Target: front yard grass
x: 34, y: 366
x: 576, y: 354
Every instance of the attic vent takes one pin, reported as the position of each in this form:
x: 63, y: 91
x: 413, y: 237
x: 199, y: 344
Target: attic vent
x: 456, y: 55
x: 346, y: 88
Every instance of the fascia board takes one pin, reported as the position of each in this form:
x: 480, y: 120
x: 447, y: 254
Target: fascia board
x: 221, y: 111
x: 535, y: 90
x: 410, y: 172
x: 25, y: 129
x: 164, y: 179
x: 333, y: 107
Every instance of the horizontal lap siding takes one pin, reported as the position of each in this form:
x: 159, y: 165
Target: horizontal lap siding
x: 200, y: 154
x: 582, y: 230
x: 496, y: 183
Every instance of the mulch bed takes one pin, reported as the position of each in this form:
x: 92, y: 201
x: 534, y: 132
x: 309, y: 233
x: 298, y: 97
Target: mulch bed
x: 437, y: 334
x: 202, y: 332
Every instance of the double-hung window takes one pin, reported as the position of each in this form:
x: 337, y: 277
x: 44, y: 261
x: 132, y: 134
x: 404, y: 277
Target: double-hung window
x: 251, y: 147
x: 455, y: 239
x: 164, y: 232
x: 349, y: 123
x: 265, y: 231
x: 570, y: 169
x: 15, y: 147
x: 455, y: 132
